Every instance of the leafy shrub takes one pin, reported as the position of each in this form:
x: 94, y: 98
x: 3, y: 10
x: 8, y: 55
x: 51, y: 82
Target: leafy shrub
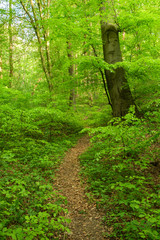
x: 54, y: 122
x: 117, y: 167
x: 29, y: 208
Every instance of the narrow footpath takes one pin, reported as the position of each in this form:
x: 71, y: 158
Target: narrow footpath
x: 86, y: 220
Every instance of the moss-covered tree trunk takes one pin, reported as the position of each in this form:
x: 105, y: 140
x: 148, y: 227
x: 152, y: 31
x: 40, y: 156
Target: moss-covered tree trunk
x: 119, y: 91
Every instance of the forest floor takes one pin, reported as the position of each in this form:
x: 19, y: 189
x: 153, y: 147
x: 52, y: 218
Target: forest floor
x: 86, y: 220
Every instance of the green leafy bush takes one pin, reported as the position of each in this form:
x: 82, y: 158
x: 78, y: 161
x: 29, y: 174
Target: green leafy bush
x: 118, y: 169
x: 29, y: 207
x: 54, y: 122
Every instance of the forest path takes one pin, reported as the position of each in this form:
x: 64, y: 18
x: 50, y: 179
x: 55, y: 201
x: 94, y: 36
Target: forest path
x: 86, y: 220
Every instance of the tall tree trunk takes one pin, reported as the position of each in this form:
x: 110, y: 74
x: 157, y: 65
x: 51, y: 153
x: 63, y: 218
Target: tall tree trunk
x: 42, y: 34
x: 72, y: 97
x: 118, y: 87
x: 10, y: 44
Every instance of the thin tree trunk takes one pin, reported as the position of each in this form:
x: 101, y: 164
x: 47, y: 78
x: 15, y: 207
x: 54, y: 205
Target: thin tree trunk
x: 72, y: 97
x: 46, y: 33
x: 10, y: 44
x: 45, y: 57
x: 103, y: 78
x: 48, y: 43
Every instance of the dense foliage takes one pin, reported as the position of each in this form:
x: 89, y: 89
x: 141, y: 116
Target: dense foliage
x: 32, y: 143
x: 122, y: 168
x: 51, y: 87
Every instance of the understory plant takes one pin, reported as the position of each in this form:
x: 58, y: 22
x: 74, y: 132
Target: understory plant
x: 122, y: 170
x: 32, y: 144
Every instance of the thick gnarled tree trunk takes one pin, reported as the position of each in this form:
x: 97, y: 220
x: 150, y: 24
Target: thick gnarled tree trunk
x: 119, y: 91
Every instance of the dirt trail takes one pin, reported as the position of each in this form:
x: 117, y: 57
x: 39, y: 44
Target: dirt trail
x: 85, y: 219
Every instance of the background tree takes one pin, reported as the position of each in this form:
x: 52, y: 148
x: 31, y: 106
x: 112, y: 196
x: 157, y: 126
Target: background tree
x: 38, y: 14
x: 1, y: 72
x: 10, y: 43
x: 72, y: 97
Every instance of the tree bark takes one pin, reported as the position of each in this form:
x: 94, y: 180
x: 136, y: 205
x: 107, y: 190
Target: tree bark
x: 118, y: 87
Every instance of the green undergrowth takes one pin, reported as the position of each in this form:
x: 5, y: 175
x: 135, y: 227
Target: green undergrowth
x: 122, y: 168
x: 32, y: 144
